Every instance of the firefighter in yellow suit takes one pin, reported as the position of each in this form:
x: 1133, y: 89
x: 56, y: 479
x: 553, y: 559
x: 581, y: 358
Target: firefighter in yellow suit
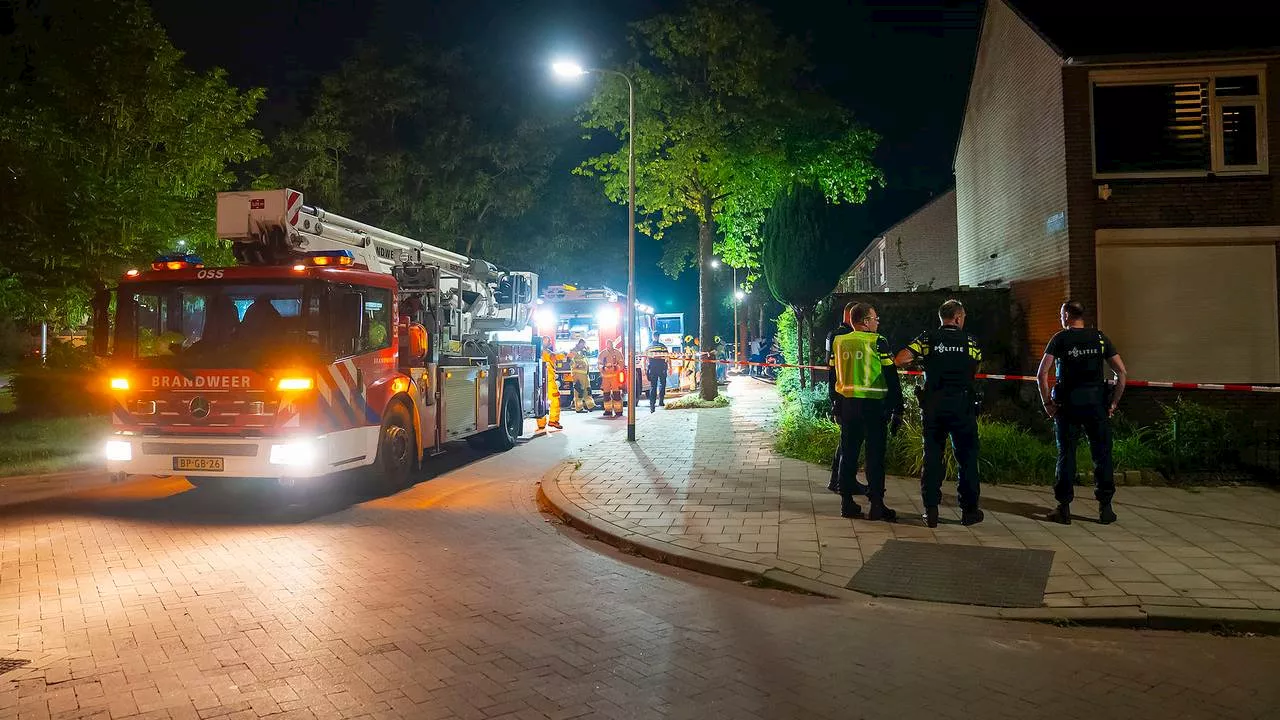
x: 612, y: 364
x: 549, y: 359
x: 580, y: 366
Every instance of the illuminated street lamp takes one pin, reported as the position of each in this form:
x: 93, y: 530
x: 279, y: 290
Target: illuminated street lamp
x: 568, y: 69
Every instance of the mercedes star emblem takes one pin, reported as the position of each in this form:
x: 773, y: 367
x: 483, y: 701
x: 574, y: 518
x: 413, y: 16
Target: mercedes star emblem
x: 199, y: 407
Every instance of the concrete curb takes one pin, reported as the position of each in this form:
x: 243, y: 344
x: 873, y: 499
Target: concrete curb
x: 1157, y: 617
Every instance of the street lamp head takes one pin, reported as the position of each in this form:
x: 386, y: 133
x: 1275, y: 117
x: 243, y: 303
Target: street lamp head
x: 738, y: 294
x: 715, y: 263
x: 567, y: 69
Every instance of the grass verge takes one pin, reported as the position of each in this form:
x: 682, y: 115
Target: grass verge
x: 693, y: 401
x: 29, y: 447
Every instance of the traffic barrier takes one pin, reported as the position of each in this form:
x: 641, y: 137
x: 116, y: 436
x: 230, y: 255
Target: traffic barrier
x: 1221, y: 387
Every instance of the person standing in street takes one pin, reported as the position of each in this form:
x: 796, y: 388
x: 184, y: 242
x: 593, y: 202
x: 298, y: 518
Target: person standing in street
x: 549, y: 359
x: 611, y: 362
x: 580, y: 366
x: 845, y: 326
x: 657, y: 367
x: 1077, y: 400
x: 948, y: 406
x: 867, y: 382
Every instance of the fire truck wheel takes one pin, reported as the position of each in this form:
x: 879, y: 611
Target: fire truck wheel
x: 396, y: 448
x: 511, y: 424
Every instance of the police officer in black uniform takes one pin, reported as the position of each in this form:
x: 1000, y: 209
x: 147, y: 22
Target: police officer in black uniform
x: 950, y: 357
x: 1080, y: 399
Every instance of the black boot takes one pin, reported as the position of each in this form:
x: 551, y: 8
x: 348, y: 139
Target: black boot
x: 1106, y: 515
x: 880, y: 512
x: 849, y: 508
x: 931, y: 516
x: 1062, y: 515
x: 971, y: 516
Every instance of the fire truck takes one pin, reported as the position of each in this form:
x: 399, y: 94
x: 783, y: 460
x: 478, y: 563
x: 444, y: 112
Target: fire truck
x: 597, y: 315
x: 332, y: 345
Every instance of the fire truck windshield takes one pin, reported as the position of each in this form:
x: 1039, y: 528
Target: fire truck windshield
x: 207, y: 324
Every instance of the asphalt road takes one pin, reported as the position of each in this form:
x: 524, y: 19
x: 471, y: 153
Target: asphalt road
x: 457, y: 598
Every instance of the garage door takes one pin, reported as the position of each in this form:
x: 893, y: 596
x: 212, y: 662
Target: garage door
x: 1192, y: 313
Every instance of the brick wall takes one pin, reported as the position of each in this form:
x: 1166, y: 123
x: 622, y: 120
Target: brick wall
x: 928, y: 247
x: 1011, y: 173
x: 1154, y: 203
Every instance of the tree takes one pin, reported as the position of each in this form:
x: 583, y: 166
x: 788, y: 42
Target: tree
x: 417, y: 143
x: 802, y: 254
x: 112, y: 150
x: 726, y: 117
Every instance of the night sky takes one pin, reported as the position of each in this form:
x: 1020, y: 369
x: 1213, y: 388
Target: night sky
x: 902, y: 66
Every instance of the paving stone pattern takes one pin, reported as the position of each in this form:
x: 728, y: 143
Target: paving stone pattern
x: 708, y: 480
x: 457, y: 599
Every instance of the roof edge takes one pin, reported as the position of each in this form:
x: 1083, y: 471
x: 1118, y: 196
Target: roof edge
x: 973, y: 67
x: 1171, y: 58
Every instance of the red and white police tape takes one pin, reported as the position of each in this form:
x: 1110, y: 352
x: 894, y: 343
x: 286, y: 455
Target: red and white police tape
x: 1226, y: 387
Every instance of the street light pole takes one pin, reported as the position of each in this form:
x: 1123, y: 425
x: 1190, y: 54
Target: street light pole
x: 631, y: 259
x: 569, y: 69
x: 737, y: 349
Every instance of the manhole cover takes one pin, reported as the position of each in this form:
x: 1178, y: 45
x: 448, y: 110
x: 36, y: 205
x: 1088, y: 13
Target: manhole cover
x: 964, y: 574
x: 7, y: 664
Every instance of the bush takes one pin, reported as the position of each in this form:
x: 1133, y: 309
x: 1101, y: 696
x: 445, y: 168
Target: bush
x: 1196, y: 437
x: 806, y: 436
x: 70, y: 384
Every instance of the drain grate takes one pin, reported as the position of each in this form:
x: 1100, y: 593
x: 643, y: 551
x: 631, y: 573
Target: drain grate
x: 7, y: 664
x: 964, y: 574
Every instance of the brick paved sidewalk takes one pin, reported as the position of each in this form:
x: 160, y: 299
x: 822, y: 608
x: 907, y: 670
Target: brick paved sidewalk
x: 709, y: 481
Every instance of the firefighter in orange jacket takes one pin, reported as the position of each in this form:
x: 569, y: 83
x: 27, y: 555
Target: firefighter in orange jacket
x: 549, y: 360
x: 612, y: 364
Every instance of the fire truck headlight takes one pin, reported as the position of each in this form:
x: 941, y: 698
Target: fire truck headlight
x: 607, y: 317
x: 296, y: 454
x: 119, y: 383
x: 545, y: 318
x: 119, y: 451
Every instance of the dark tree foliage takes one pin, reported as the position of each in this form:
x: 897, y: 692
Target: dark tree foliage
x: 804, y: 253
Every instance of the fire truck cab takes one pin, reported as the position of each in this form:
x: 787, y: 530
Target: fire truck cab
x: 332, y: 345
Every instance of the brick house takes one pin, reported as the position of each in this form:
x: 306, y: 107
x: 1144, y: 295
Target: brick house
x: 917, y: 253
x: 1119, y: 154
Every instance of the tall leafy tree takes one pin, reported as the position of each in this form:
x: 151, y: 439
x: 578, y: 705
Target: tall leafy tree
x: 726, y: 117
x: 413, y: 142
x: 111, y: 150
x: 803, y: 254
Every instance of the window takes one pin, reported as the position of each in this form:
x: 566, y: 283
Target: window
x: 882, y: 281
x: 199, y: 324
x: 1179, y: 127
x: 360, y: 321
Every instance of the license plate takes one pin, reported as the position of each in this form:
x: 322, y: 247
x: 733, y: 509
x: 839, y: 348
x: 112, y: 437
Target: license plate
x: 203, y: 464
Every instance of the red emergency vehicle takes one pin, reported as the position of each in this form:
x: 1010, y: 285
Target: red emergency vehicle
x: 596, y: 315
x: 332, y: 345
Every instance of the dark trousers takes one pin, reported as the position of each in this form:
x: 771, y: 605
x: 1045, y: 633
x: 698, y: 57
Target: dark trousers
x: 657, y: 389
x: 862, y: 419
x: 954, y: 419
x: 1067, y: 425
